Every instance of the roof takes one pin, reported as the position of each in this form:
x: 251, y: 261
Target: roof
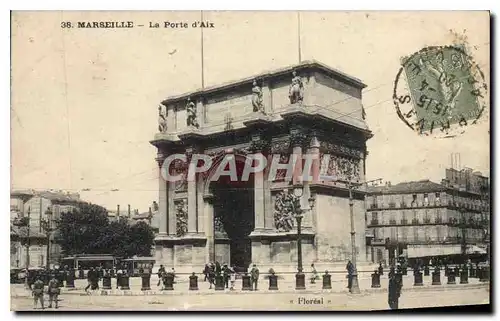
x: 308, y: 64
x: 408, y: 188
x: 55, y: 196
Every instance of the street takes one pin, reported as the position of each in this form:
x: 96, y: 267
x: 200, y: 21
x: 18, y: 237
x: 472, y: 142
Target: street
x: 265, y: 300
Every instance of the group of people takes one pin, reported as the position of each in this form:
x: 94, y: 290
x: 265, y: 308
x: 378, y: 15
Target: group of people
x: 228, y: 274
x: 37, y: 291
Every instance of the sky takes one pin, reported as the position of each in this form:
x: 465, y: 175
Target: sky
x: 84, y: 101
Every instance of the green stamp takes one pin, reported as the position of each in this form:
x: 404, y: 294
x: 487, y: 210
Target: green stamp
x: 439, y: 89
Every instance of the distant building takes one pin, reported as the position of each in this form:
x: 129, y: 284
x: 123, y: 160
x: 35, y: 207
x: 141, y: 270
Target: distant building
x: 42, y: 206
x: 423, y: 219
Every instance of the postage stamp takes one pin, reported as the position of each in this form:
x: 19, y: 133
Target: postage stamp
x: 439, y: 91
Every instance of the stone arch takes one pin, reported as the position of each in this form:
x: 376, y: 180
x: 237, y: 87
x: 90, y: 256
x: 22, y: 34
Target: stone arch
x: 216, y: 161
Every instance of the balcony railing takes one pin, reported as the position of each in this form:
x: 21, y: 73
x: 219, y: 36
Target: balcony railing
x: 415, y: 221
x: 374, y: 222
x: 373, y: 205
x: 392, y: 205
x: 438, y: 220
x: 404, y: 221
x: 427, y: 220
x: 402, y: 204
x: 393, y: 222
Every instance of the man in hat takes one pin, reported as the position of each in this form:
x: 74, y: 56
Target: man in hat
x: 37, y: 292
x: 225, y: 275
x: 53, y: 290
x: 394, y: 290
x: 161, y: 271
x: 254, y: 273
x: 350, y: 270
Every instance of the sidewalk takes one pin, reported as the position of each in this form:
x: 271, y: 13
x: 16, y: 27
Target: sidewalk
x: 286, y: 285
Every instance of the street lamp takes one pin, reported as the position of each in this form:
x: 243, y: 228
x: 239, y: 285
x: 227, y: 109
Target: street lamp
x: 47, y: 228
x: 298, y: 211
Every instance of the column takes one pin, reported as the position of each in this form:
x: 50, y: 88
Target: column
x: 162, y: 199
x: 200, y: 213
x: 259, y: 200
x: 209, y: 231
x: 259, y: 206
x: 192, y: 208
x: 296, y: 139
x: 315, y: 168
x: 268, y: 202
x: 171, y: 211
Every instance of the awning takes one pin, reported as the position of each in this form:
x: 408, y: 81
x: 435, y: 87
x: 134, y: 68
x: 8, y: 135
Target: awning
x: 473, y: 249
x: 433, y: 250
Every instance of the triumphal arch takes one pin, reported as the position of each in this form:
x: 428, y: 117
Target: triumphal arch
x: 306, y: 109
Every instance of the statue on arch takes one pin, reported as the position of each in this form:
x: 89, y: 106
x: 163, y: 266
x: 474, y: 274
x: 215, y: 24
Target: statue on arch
x: 162, y: 119
x: 296, y: 90
x: 191, y: 113
x: 257, y: 98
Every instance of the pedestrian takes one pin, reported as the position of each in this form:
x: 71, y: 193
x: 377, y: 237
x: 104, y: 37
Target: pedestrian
x: 54, y: 291
x: 211, y: 275
x: 161, y: 270
x: 225, y: 275
x: 314, y: 274
x: 119, y: 275
x: 90, y: 276
x: 173, y: 275
x: 254, y: 273
x: 380, y: 269
x: 394, y: 291
x: 205, y: 272
x: 233, y: 279
x: 350, y: 270
x: 37, y: 292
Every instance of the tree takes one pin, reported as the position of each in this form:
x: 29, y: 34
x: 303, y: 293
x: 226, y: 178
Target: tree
x: 80, y: 230
x: 87, y: 230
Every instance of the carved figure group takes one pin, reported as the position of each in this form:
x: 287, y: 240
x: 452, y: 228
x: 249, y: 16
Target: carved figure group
x: 181, y: 218
x: 285, y: 208
x: 191, y: 114
x: 296, y: 90
x: 162, y: 119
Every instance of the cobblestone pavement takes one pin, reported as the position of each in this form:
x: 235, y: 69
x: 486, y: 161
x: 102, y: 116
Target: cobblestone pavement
x: 445, y: 296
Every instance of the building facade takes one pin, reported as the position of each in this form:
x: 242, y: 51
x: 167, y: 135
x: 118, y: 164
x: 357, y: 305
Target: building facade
x: 45, y: 208
x: 424, y: 219
x: 307, y: 109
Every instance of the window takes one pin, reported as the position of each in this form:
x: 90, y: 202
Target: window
x: 414, y: 201
x: 374, y: 220
x: 415, y: 234
x: 394, y: 235
x: 426, y: 200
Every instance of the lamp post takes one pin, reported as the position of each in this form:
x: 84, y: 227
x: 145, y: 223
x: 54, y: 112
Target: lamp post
x: 47, y: 228
x: 26, y: 282
x: 300, y: 283
x: 354, y: 282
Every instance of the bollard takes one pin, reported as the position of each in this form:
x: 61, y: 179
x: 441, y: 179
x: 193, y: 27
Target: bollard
x: 273, y: 281
x: 106, y: 282
x: 219, y: 283
x: 245, y: 281
x: 375, y: 279
x: 193, y: 282
x: 70, y: 280
x: 146, y: 282
x: 427, y: 271
x: 125, y: 285
x: 451, y: 277
x: 436, y: 277
x: 327, y: 281
x: 485, y: 274
x: 417, y: 278
x: 169, y: 282
x: 464, y: 276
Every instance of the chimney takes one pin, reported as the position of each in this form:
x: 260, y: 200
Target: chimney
x: 128, y: 210
x: 117, y: 211
x: 150, y: 213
